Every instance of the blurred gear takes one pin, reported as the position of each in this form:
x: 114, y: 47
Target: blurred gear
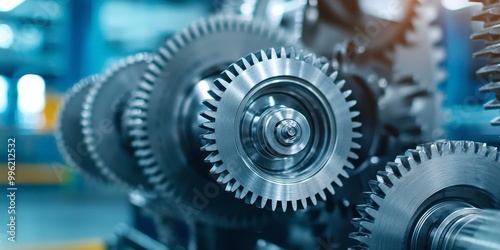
x: 280, y: 129
x: 69, y: 136
x: 490, y: 73
x: 164, y: 121
x: 430, y: 181
x: 103, y: 124
x: 288, y: 14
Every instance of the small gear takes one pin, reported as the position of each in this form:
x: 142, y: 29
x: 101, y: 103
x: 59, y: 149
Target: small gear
x: 103, y: 124
x: 69, y: 136
x: 443, y: 172
x: 280, y: 130
x: 164, y: 120
x: 489, y: 73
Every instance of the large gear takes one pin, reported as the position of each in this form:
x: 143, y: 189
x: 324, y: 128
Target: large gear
x: 439, y: 173
x: 280, y: 130
x: 165, y: 112
x: 69, y: 136
x: 103, y: 122
x: 489, y: 73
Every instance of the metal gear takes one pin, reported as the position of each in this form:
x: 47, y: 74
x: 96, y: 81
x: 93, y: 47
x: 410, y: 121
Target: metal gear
x: 374, y: 26
x: 280, y: 130
x: 489, y: 73
x: 103, y: 124
x: 440, y: 173
x: 165, y: 112
x: 69, y: 136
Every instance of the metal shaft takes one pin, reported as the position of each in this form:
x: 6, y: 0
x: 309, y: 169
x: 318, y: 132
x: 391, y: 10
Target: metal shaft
x: 479, y: 229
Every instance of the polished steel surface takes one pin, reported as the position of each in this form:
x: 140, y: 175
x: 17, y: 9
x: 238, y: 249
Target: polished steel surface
x: 298, y: 177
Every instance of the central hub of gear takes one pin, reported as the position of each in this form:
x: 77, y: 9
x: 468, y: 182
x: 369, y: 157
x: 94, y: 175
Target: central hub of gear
x: 282, y: 132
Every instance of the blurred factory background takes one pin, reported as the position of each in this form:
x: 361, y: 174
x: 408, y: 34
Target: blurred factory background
x: 48, y: 45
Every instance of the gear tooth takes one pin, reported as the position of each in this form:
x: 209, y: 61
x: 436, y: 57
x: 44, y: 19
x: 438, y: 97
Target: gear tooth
x: 379, y: 188
x: 365, y: 211
x: 362, y: 238
x: 322, y: 195
x: 356, y: 125
x: 292, y: 53
x: 224, y: 178
x: 351, y: 103
x: 208, y: 125
x: 325, y: 68
x: 447, y: 148
x: 471, y: 147
x: 246, y: 63
x: 294, y: 205
x: 263, y: 202
x: 221, y: 84
x: 354, y: 144
x: 208, y: 136
x: 353, y: 156
x: 274, y: 55
x: 344, y: 173
x: 346, y: 94
x: 241, y: 193
x: 274, y: 205
x: 310, y: 58
x: 253, y: 198
x: 213, y: 158
x: 235, y: 186
x: 415, y: 157
x: 209, y: 147
x: 349, y: 165
x: 386, y: 178
x: 218, y: 169
x: 482, y: 149
x: 354, y: 114
x: 164, y: 54
x: 263, y: 55
x: 434, y: 150
x: 373, y: 199
x: 209, y: 115
x: 493, y: 153
x: 330, y: 189
x: 356, y: 135
x: 172, y: 47
x: 304, y: 203
x: 229, y: 74
x: 337, y: 181
x: 237, y: 67
x: 334, y: 76
x: 216, y: 94
x: 283, y: 53
x: 211, y: 104
x: 393, y: 168
x: 284, y: 206
x: 180, y: 41
x: 313, y: 199
x: 405, y: 162
x: 255, y: 60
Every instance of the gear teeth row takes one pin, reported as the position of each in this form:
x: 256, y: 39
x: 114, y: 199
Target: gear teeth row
x: 397, y: 171
x: 87, y: 115
x: 218, y: 167
x: 491, y: 35
x: 139, y: 104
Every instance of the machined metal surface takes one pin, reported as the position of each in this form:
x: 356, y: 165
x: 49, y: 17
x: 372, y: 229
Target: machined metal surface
x: 164, y: 121
x: 103, y: 122
x: 460, y: 173
x: 252, y: 100
x: 489, y: 73
x: 69, y: 135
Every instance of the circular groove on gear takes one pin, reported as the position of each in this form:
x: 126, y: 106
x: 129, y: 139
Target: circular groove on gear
x: 236, y: 87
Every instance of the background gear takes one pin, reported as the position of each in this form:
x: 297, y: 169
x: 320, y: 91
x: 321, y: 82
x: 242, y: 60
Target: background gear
x: 103, y: 124
x: 164, y: 121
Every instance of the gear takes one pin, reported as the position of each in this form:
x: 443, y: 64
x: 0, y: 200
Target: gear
x: 102, y: 121
x: 375, y: 27
x: 69, y: 136
x: 275, y: 135
x: 436, y: 173
x: 165, y: 112
x: 489, y: 73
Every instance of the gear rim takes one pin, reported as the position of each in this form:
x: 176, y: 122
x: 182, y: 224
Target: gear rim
x: 219, y: 149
